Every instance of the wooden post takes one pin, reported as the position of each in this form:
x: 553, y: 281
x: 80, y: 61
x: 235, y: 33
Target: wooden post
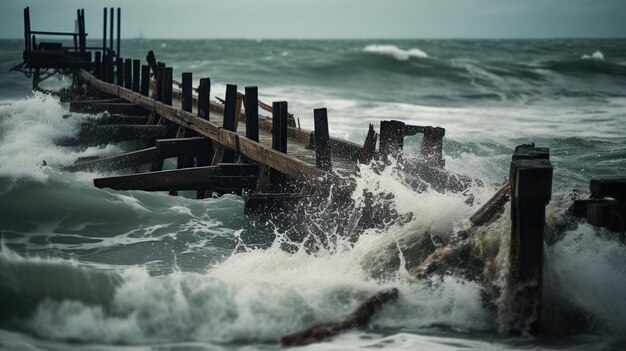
x: 531, y: 190
x: 119, y: 30
x: 230, y: 105
x: 187, y: 102
x: 391, y: 139
x: 145, y: 80
x: 128, y: 73
x: 432, y: 146
x: 98, y: 65
x: 111, y: 67
x: 322, y: 138
x: 369, y: 147
x: 112, y: 15
x: 167, y: 85
x: 105, y: 66
x: 83, y: 37
x: 104, y: 31
x: 120, y: 71
x: 230, y: 123
x: 251, y: 105
x: 279, y: 126
x: 136, y: 75
x: 279, y: 138
x: 159, y: 81
x: 152, y: 62
x: 204, y: 93
x: 76, y: 30
x: 27, y: 43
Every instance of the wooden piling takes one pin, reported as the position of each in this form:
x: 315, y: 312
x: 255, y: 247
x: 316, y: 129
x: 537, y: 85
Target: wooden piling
x: 27, y: 43
x: 152, y: 62
x: 119, y: 31
x: 251, y: 105
x: 432, y: 146
x: 159, y: 81
x: 98, y: 65
x: 322, y: 137
x: 167, y: 85
x: 230, y: 105
x: 391, y: 139
x: 120, y: 71
x: 136, y: 75
x: 83, y: 34
x: 204, y: 93
x: 104, y: 31
x: 145, y: 80
x: 112, y: 20
x: 279, y: 121
x: 128, y: 73
x: 531, y: 190
x: 369, y: 146
x: 187, y: 101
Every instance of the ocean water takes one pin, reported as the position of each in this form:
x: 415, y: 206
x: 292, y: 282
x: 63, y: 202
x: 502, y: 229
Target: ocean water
x: 94, y: 269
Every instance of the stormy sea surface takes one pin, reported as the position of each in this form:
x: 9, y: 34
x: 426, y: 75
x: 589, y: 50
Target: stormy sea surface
x: 83, y: 268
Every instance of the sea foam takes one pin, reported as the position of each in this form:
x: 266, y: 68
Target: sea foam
x: 395, y: 52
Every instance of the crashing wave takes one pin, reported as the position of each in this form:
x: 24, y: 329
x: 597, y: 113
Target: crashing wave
x: 395, y: 52
x: 598, y: 55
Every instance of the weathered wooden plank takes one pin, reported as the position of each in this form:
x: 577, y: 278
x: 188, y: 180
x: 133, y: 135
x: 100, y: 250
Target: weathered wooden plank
x: 112, y: 163
x: 181, y: 146
x: 120, y: 108
x: 96, y: 134
x: 119, y: 119
x: 178, y: 179
x: 251, y: 149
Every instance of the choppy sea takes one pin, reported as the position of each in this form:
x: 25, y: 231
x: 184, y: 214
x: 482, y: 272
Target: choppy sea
x: 83, y: 268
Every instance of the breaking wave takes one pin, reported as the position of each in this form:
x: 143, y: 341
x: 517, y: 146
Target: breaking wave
x: 395, y: 52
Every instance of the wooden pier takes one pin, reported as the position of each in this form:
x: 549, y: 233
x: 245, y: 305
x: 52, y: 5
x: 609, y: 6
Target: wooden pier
x: 256, y: 149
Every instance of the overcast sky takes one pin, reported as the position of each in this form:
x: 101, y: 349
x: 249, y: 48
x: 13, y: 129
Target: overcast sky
x: 329, y: 18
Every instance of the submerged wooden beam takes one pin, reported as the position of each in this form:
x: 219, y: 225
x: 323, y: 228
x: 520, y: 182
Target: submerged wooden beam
x: 358, y: 319
x: 112, y: 163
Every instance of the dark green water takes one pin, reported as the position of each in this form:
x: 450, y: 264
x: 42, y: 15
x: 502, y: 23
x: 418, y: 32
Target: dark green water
x: 87, y: 268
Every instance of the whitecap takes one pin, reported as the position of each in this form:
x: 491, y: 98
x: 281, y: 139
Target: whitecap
x: 598, y: 55
x: 395, y: 52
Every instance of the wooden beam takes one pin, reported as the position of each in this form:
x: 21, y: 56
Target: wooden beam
x: 96, y: 135
x: 178, y: 179
x: 181, y: 146
x: 249, y: 148
x: 119, y: 119
x: 119, y: 108
x: 116, y: 162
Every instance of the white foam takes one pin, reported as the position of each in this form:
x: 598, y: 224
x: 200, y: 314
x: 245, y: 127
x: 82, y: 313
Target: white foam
x: 597, y: 55
x: 29, y: 128
x: 395, y: 52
